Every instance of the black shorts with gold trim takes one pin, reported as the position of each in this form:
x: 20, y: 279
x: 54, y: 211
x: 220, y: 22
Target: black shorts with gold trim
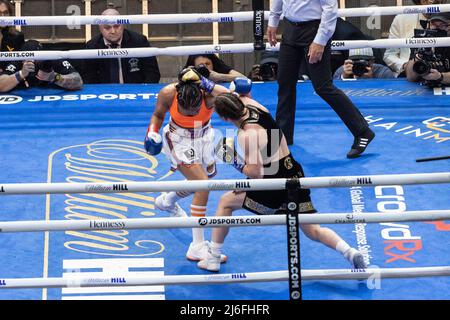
x: 274, y: 201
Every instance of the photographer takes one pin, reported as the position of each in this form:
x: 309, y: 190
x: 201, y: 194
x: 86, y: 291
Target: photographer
x: 30, y: 73
x: 431, y: 65
x: 360, y: 65
x: 267, y: 69
x: 213, y: 68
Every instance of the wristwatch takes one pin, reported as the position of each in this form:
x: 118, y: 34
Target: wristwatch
x: 57, y: 77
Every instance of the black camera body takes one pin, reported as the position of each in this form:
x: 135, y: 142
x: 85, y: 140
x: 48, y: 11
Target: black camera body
x: 360, y: 67
x: 203, y: 70
x: 425, y: 58
x: 44, y: 65
x: 268, y: 71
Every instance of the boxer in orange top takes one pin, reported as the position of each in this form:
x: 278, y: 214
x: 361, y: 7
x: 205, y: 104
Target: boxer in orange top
x: 188, y: 142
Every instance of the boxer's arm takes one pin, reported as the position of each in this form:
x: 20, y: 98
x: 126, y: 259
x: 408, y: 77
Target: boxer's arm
x: 218, y: 89
x: 248, y: 141
x: 165, y: 98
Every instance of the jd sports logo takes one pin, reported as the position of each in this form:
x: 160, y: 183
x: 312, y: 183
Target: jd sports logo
x: 202, y: 221
x: 9, y: 99
x: 2, y: 189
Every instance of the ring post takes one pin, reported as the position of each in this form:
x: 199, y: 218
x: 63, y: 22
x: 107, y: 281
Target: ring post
x: 293, y: 239
x: 258, y: 24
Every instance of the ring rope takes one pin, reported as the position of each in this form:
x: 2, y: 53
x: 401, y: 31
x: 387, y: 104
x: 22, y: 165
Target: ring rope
x: 210, y: 185
x: 214, y: 222
x: 126, y: 280
x: 223, y: 17
x: 212, y: 49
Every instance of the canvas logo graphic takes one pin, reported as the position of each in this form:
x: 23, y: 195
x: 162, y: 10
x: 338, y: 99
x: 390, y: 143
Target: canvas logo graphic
x: 100, y: 161
x: 113, y: 251
x: 435, y: 129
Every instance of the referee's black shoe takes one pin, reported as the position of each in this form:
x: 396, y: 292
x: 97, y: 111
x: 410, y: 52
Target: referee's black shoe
x: 360, y: 144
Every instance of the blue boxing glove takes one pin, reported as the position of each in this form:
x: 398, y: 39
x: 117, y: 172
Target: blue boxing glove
x: 226, y: 152
x: 153, y: 143
x: 241, y: 85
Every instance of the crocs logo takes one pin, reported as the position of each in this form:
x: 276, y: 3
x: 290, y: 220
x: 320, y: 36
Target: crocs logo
x: 10, y: 99
x: 202, y: 221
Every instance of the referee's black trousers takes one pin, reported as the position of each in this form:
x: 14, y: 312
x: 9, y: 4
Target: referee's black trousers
x: 293, y: 52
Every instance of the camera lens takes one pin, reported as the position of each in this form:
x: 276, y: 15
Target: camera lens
x: 203, y: 70
x: 421, y: 67
x: 360, y: 67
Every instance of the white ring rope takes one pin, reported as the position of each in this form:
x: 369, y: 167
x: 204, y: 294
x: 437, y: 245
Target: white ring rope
x: 242, y: 184
x: 212, y: 49
x: 115, y: 280
x: 213, y: 222
x: 202, y: 17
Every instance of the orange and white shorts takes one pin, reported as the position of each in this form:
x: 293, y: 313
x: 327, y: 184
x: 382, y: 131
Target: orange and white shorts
x: 189, y: 146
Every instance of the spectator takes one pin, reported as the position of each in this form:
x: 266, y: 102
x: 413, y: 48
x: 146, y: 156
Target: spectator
x: 121, y: 70
x: 30, y: 73
x: 347, y: 31
x: 361, y: 65
x: 10, y: 38
x: 403, y: 26
x: 219, y: 71
x: 432, y: 65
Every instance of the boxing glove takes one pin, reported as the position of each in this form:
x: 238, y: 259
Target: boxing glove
x: 192, y: 75
x: 241, y: 85
x: 226, y: 152
x: 153, y: 143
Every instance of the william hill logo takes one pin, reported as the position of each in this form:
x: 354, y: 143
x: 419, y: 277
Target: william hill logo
x: 120, y: 187
x: 118, y: 280
x: 123, y: 21
x: 363, y: 181
x: 242, y: 185
x: 433, y: 10
x: 239, y: 276
x: 20, y: 22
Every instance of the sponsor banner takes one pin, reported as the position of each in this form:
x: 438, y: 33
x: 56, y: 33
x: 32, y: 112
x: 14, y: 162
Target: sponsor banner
x: 229, y: 221
x: 12, y: 99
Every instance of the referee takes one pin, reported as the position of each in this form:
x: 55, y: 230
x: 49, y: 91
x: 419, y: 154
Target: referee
x: 308, y: 27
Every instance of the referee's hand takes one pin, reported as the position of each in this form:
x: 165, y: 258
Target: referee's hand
x: 272, y: 35
x: 315, y: 52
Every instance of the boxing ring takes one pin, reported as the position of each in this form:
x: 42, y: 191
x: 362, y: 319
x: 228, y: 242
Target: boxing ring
x: 113, y: 243
x: 96, y: 134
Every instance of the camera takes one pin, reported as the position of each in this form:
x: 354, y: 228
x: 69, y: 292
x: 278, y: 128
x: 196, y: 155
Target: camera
x: 425, y: 58
x: 267, y: 71
x: 360, y: 67
x: 45, y: 65
x: 203, y: 70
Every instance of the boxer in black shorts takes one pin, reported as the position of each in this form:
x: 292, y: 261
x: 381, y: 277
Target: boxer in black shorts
x: 266, y: 155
